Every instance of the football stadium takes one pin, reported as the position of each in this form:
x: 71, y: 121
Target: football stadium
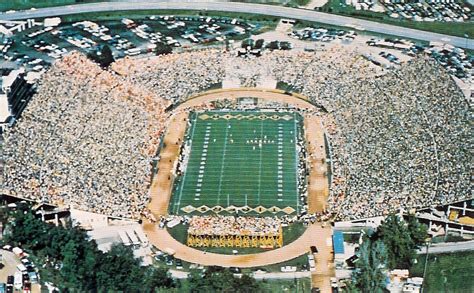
x: 220, y: 146
x: 240, y: 162
x: 211, y: 143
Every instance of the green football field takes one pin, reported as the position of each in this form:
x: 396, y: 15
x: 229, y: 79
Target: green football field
x: 239, y: 161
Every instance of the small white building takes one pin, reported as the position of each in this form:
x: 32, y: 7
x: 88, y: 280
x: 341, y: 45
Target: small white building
x: 88, y: 220
x: 4, y: 111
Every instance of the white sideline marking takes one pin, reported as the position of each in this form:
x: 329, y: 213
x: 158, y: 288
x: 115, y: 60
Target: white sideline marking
x: 185, y: 171
x: 223, y: 160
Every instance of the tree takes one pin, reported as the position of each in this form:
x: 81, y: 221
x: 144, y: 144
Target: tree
x: 401, y: 240
x: 214, y: 279
x: 119, y: 270
x: 418, y: 232
x: 349, y: 287
x: 259, y: 43
x: 368, y: 275
x: 247, y: 43
x: 274, y: 45
x: 217, y: 279
x: 163, y: 49
x: 103, y: 57
x: 66, y: 257
x: 159, y: 278
x: 246, y: 284
x: 29, y: 227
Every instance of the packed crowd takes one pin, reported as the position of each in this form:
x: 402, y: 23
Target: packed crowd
x: 85, y: 141
x: 401, y: 139
x: 230, y: 225
x: 390, y: 148
x: 174, y: 76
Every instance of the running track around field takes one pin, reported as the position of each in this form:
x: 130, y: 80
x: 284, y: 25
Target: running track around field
x: 315, y: 234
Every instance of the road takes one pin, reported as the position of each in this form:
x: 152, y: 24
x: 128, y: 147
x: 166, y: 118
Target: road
x: 177, y: 274
x: 448, y: 247
x: 278, y: 11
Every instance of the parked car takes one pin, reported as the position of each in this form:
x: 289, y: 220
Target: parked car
x: 179, y: 264
x: 10, y: 280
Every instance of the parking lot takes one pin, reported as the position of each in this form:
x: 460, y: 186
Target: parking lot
x: 18, y: 270
x: 37, y: 47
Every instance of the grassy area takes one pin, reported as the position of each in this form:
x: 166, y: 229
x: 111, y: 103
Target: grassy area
x: 293, y: 232
x: 446, y: 272
x: 137, y: 14
x: 299, y: 262
x: 295, y: 285
x: 179, y: 232
x: 449, y: 238
x: 452, y: 28
x: 351, y: 237
x: 302, y: 285
x: 218, y: 177
x: 298, y: 3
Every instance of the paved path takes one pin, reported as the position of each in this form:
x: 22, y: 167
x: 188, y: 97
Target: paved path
x: 273, y: 10
x: 294, y: 275
x: 177, y: 274
x: 448, y: 247
x: 325, y: 268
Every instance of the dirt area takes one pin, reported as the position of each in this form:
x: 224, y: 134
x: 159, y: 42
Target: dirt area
x: 266, y: 94
x: 315, y: 234
x: 318, y: 186
x: 162, y: 185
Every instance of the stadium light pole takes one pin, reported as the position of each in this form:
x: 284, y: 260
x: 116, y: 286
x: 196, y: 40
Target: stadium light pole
x: 428, y: 243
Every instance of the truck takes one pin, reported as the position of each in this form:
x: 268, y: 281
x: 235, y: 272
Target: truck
x: 18, y: 281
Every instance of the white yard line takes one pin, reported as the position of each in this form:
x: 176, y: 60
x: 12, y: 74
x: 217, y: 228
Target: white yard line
x: 186, y: 171
x: 260, y: 164
x: 296, y: 166
x: 223, y: 160
x: 280, y: 167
